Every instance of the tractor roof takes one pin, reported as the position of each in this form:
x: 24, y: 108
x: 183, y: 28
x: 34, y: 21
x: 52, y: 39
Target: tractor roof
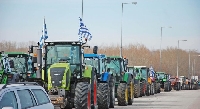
x: 160, y: 72
x: 117, y: 57
x: 94, y: 56
x: 140, y: 66
x: 13, y: 54
x: 62, y: 42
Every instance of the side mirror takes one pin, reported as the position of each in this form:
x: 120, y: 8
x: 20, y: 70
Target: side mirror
x: 126, y: 62
x: 108, y: 60
x: 31, y: 49
x: 95, y: 49
x: 34, y: 59
x: 7, y: 108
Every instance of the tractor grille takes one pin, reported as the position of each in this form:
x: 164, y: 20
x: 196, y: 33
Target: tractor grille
x: 57, y: 76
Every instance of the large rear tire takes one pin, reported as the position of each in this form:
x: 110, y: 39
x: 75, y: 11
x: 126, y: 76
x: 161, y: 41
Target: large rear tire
x: 103, y: 96
x: 82, y: 98
x: 122, y: 94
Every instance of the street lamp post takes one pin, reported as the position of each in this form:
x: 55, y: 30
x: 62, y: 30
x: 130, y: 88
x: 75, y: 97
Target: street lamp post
x: 121, y: 25
x: 177, y: 55
x: 189, y: 66
x: 160, y: 66
x: 82, y: 9
x: 194, y: 65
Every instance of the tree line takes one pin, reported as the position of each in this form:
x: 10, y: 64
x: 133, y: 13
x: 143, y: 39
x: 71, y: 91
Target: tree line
x: 137, y: 54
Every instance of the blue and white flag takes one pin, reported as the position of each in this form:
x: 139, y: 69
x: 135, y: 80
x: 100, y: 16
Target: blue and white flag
x: 152, y: 71
x: 44, y: 35
x: 83, y: 31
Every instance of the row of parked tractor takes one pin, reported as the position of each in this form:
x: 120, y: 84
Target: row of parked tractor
x: 73, y: 78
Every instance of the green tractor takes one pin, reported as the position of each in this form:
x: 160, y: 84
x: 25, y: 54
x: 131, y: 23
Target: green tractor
x: 163, y: 78
x: 15, y: 67
x: 70, y: 83
x: 137, y: 78
x: 143, y: 80
x: 124, y: 82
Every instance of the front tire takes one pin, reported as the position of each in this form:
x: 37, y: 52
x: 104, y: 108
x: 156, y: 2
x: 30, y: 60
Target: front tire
x: 82, y: 98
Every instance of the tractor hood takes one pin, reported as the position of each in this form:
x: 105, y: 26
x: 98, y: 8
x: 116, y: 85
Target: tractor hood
x: 59, y: 75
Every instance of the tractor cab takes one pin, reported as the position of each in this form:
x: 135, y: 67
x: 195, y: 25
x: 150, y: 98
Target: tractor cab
x: 18, y: 62
x: 118, y: 66
x: 160, y: 75
x: 62, y: 61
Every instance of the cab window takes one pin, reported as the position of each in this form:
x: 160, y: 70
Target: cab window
x: 9, y: 100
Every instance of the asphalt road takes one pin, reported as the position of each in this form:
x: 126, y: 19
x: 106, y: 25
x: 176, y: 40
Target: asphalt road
x: 184, y: 99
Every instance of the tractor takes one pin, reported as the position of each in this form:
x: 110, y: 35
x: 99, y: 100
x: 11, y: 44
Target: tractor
x: 163, y: 78
x: 182, y: 82
x: 187, y: 84
x: 137, y: 77
x: 157, y: 81
x: 154, y: 84
x: 124, y: 82
x: 144, y: 80
x: 106, y: 83
x: 68, y: 81
x: 15, y: 67
x: 175, y: 83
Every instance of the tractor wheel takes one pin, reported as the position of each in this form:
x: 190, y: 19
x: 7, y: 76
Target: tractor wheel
x: 136, y: 90
x: 158, y: 87
x: 103, y: 96
x: 152, y: 89
x: 166, y: 86
x: 112, y: 92
x: 82, y: 98
x: 122, y: 94
x: 130, y: 93
x: 148, y: 90
x: 155, y: 88
x: 141, y: 89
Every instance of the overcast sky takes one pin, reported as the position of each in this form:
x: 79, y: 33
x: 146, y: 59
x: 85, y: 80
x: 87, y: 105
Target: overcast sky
x: 22, y: 20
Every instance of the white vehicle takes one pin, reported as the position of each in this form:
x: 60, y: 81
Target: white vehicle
x: 24, y: 95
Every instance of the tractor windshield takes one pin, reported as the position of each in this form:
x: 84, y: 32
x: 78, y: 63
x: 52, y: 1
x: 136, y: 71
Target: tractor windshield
x: 60, y: 53
x: 114, y: 65
x: 19, y: 64
x: 161, y: 76
x: 93, y: 62
x: 144, y: 73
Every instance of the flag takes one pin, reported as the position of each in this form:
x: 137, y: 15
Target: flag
x: 44, y: 35
x: 83, y: 31
x: 152, y: 71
